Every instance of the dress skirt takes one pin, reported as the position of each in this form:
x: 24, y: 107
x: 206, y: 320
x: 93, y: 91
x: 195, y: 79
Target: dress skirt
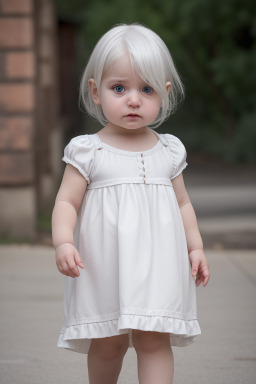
x: 137, y: 271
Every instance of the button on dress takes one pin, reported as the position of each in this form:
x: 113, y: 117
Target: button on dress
x: 131, y: 238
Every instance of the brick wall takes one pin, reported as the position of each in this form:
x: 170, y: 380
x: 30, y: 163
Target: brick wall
x: 29, y: 132
x: 48, y: 104
x: 17, y: 92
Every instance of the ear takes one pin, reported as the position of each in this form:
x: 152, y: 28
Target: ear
x: 168, y: 87
x: 94, y: 91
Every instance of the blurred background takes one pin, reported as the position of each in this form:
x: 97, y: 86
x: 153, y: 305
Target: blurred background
x: 44, y: 47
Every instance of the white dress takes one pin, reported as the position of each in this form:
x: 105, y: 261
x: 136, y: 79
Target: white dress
x: 131, y: 238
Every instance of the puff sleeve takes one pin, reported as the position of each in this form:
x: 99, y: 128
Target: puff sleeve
x: 178, y: 154
x: 80, y: 153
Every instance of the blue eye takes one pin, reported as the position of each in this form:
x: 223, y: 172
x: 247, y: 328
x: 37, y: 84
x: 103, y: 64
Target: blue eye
x: 119, y: 88
x: 147, y: 89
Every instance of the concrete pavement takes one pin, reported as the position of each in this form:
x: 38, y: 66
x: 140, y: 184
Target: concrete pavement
x: 31, y: 292
x: 226, y: 214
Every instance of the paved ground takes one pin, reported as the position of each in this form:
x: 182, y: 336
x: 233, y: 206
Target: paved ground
x: 31, y: 291
x: 224, y: 198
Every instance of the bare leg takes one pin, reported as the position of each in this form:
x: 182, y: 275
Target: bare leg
x: 154, y: 356
x: 105, y: 359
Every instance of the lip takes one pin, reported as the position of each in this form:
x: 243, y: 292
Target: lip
x: 133, y: 115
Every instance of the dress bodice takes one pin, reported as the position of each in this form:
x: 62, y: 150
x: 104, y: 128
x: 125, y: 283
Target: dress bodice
x: 103, y: 165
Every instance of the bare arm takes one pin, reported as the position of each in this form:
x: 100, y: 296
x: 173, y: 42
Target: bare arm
x: 197, y: 257
x: 64, y: 217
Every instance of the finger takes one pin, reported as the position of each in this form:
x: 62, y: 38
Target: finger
x: 203, y: 277
x: 199, y: 281
x: 66, y: 274
x: 60, y: 268
x: 74, y: 272
x: 205, y: 274
x: 200, y: 276
x: 78, y: 260
x: 194, y: 268
x: 73, y: 267
x: 67, y: 269
x: 206, y: 279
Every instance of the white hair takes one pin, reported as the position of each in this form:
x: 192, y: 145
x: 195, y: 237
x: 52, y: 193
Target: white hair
x: 149, y: 57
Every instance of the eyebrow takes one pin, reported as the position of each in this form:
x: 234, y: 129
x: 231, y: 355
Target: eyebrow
x: 118, y: 80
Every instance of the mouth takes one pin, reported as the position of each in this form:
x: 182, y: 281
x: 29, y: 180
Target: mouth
x: 133, y: 115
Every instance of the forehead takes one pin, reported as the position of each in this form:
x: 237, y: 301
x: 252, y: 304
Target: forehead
x: 121, y: 68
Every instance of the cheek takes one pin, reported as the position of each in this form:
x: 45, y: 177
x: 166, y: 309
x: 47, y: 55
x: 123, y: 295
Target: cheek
x: 110, y: 102
x: 155, y: 107
x: 110, y: 109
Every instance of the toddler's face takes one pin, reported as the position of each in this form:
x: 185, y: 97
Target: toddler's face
x: 126, y: 100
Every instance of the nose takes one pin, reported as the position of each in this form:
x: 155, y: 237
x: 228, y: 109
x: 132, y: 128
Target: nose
x: 134, y: 99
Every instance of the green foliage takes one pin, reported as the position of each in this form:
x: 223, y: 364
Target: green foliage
x: 213, y: 45
x: 9, y: 239
x: 44, y: 222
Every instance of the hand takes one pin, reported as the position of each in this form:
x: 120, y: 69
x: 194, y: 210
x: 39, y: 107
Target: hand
x: 68, y: 259
x: 199, y: 266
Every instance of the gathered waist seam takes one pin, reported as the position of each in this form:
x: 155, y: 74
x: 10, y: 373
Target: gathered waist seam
x: 139, y: 180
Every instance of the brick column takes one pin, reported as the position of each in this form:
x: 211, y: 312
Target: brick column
x: 17, y: 119
x: 48, y: 140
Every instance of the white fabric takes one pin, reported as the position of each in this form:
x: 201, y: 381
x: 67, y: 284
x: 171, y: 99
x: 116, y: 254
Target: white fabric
x: 131, y: 238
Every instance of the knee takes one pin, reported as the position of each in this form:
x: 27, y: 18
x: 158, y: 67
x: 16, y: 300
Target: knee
x: 109, y: 348
x: 149, y: 341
